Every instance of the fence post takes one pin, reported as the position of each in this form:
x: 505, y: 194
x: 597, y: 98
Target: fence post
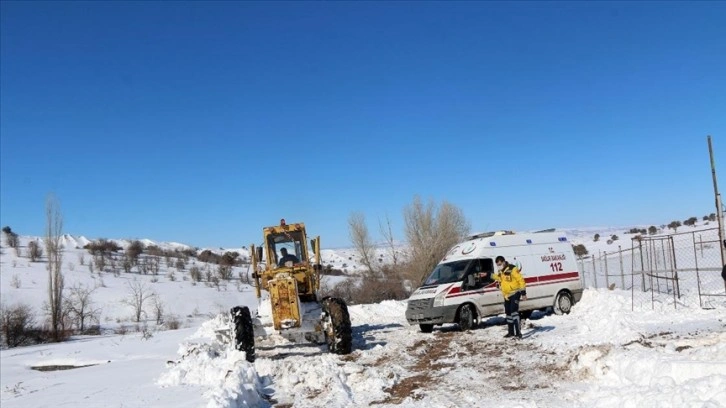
x: 662, y: 247
x: 642, y: 267
x: 594, y: 271
x: 632, y: 275
x: 676, y: 286
x: 607, y: 279
x: 622, y: 271
x: 695, y: 258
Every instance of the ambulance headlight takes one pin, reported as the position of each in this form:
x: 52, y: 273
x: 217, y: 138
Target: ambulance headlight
x: 439, y: 299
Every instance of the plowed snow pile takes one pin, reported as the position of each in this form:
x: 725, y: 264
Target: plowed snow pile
x: 230, y: 380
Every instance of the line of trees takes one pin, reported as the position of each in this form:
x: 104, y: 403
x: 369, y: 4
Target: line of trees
x: 430, y: 229
x: 72, y: 309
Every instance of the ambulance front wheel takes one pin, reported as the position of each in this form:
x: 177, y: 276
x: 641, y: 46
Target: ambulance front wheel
x: 563, y: 303
x: 426, y: 328
x: 466, y: 317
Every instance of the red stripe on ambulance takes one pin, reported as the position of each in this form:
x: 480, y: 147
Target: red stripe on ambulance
x: 532, y: 281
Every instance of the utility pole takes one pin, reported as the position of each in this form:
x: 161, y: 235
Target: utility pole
x: 719, y: 206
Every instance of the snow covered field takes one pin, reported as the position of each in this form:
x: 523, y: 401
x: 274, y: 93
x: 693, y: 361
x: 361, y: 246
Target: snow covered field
x: 602, y: 354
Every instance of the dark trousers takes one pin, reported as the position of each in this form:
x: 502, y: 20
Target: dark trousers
x: 511, y: 310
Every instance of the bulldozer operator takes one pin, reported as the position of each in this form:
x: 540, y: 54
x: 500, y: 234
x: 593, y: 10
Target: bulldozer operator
x: 286, y: 258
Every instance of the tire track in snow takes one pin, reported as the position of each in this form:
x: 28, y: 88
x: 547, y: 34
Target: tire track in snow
x: 451, y: 368
x: 393, y: 365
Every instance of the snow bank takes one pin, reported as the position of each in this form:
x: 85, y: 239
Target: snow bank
x: 647, y: 357
x: 388, y: 311
x: 230, y: 381
x: 691, y: 374
x: 605, y: 317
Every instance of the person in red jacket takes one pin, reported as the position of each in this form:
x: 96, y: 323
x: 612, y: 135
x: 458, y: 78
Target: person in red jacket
x: 513, y: 287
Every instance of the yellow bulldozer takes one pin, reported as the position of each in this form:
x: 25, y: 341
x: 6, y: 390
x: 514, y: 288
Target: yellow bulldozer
x: 289, y: 271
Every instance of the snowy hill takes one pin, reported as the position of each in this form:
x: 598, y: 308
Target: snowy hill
x: 603, y: 354
x: 624, y: 239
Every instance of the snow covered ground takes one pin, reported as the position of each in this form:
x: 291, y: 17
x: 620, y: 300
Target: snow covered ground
x: 602, y: 354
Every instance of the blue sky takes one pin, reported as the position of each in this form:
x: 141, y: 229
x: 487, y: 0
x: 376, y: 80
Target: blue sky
x: 201, y: 122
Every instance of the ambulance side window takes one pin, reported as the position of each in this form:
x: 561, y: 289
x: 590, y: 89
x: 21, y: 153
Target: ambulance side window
x: 480, y: 273
x: 487, y: 266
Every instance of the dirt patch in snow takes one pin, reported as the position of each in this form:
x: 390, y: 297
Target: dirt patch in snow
x: 430, y: 351
x: 59, y: 367
x: 405, y: 388
x: 509, y: 365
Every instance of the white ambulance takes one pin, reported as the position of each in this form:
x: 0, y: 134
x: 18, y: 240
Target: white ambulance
x: 460, y: 289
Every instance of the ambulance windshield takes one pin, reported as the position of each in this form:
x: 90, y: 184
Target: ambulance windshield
x: 448, y: 272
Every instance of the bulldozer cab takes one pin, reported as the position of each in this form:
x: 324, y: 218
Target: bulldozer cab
x: 286, y: 253
x: 286, y: 248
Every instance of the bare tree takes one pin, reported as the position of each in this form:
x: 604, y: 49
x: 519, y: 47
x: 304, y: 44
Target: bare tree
x: 139, y: 293
x: 431, y: 231
x: 195, y: 273
x: 674, y: 225
x: 580, y: 250
x: 224, y: 272
x: 53, y: 234
x: 113, y: 266
x: 158, y: 306
x: 387, y: 233
x: 17, y: 323
x: 11, y: 238
x: 80, y: 307
x: 149, y: 264
x: 126, y: 264
x: 34, y: 251
x: 154, y: 264
x: 100, y: 261
x: 133, y: 251
x: 361, y: 239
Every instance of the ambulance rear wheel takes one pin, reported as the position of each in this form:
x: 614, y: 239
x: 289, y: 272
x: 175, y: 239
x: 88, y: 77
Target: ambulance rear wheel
x: 426, y: 328
x: 563, y: 303
x: 466, y: 317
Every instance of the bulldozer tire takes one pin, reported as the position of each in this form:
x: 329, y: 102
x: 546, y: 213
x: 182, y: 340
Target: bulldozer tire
x: 336, y: 325
x: 244, y: 336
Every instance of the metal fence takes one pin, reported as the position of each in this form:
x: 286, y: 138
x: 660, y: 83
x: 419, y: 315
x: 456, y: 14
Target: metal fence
x: 656, y: 269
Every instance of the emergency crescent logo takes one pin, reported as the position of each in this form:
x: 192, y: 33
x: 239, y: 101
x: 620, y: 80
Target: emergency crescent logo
x: 469, y: 248
x: 451, y: 253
